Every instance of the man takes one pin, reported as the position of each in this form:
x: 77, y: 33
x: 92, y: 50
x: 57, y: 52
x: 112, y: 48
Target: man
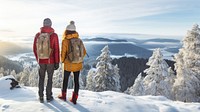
x: 46, y: 50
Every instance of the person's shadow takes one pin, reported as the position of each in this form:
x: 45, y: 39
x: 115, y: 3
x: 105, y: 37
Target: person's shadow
x: 79, y: 107
x: 56, y: 106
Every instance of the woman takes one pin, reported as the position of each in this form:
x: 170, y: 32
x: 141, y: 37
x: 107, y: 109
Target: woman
x: 69, y: 66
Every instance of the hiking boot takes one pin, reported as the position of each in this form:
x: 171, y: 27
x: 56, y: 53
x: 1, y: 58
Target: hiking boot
x: 50, y: 99
x: 62, y: 96
x: 41, y: 100
x: 74, y: 98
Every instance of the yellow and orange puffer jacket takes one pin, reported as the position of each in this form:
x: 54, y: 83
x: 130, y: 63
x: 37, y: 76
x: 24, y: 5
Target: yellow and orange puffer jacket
x: 68, y: 66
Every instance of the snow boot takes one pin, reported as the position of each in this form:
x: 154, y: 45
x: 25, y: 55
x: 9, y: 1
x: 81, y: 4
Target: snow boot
x: 74, y: 97
x: 62, y: 96
x: 49, y: 99
x: 41, y: 100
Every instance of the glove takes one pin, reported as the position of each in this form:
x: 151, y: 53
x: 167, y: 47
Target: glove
x: 56, y: 66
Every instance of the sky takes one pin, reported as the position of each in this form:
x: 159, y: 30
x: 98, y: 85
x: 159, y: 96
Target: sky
x: 25, y: 99
x: 23, y: 18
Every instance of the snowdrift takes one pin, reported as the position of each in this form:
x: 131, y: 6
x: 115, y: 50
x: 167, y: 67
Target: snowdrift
x: 25, y: 99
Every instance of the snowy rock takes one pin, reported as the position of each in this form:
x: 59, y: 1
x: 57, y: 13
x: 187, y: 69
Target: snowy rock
x: 5, y: 84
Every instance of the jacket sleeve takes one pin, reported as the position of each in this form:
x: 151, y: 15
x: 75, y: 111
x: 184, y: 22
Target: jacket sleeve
x: 35, y: 47
x: 64, y: 50
x: 56, y: 49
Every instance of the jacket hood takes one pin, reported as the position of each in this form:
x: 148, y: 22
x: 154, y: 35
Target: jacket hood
x: 47, y: 29
x: 70, y: 36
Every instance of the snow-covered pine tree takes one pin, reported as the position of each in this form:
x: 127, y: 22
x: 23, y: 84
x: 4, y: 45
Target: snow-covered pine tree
x: 116, y: 76
x: 170, y: 79
x: 57, y: 77
x: 24, y: 77
x: 71, y: 81
x: 33, y: 77
x: 1, y: 75
x: 90, y: 84
x: 157, y: 80
x: 187, y: 83
x: 13, y: 73
x: 106, y: 76
x: 137, y: 89
x: 84, y: 73
x: 1, y: 70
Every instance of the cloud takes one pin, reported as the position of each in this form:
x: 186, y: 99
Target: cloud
x: 6, y: 31
x: 10, y: 48
x: 25, y: 17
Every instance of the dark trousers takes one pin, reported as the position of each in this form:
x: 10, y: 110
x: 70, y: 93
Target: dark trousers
x: 76, y: 81
x: 42, y: 70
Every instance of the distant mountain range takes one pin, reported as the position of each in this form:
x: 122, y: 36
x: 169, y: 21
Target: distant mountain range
x: 162, y: 40
x: 101, y: 39
x: 120, y: 45
x: 116, y: 47
x: 9, y: 64
x: 138, y: 48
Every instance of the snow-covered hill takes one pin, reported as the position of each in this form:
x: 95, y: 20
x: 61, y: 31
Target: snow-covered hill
x: 25, y: 99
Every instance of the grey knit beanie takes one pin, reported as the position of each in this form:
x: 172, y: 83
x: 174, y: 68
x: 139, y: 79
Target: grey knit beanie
x: 71, y: 26
x: 47, y: 22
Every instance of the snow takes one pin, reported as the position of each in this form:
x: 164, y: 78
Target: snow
x: 25, y: 99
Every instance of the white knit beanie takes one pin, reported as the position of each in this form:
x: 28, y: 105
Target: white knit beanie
x: 47, y: 22
x: 71, y: 26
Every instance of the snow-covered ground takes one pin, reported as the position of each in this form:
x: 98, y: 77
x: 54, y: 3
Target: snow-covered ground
x: 25, y: 99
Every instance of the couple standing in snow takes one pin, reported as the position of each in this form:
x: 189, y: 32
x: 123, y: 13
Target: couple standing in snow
x: 47, y: 53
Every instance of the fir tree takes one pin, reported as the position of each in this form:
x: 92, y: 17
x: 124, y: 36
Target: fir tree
x: 90, y: 84
x: 33, y: 77
x: 187, y: 84
x: 154, y: 82
x: 106, y: 76
x: 1, y: 75
x: 57, y: 77
x: 137, y: 89
x: 157, y: 80
x: 24, y: 77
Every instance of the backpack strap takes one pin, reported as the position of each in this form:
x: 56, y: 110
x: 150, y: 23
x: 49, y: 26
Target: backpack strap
x: 69, y: 47
x: 50, y: 45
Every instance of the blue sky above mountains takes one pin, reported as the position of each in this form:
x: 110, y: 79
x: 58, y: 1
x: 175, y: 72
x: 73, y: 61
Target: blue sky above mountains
x: 21, y: 18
